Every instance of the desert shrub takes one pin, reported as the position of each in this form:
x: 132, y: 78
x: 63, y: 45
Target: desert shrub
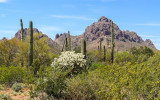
x: 51, y: 82
x: 2, y: 87
x: 77, y: 49
x: 142, y: 58
x: 124, y: 57
x: 142, y: 50
x: 78, y: 88
x: 5, y: 97
x: 10, y: 75
x: 85, y: 86
x: 70, y: 62
x: 16, y: 87
x: 96, y: 65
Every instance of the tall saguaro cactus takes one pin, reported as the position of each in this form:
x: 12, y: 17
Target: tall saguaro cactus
x: 31, y: 43
x: 83, y: 48
x: 69, y: 41
x: 98, y: 48
x: 22, y: 34
x: 100, y: 45
x: 107, y: 40
x: 66, y: 44
x: 104, y: 53
x: 112, y: 42
x: 63, y: 46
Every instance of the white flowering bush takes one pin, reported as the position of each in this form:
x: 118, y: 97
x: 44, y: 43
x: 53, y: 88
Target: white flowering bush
x: 69, y: 61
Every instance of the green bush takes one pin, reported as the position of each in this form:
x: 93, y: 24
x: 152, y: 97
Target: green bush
x: 142, y: 50
x: 84, y: 87
x: 16, y: 87
x: 2, y: 87
x: 5, y: 97
x: 51, y: 83
x: 96, y: 65
x: 11, y: 75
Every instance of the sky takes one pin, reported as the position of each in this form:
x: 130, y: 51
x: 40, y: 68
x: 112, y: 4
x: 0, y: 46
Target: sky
x: 59, y: 16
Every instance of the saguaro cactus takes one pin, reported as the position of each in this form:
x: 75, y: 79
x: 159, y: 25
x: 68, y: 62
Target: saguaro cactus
x: 107, y: 40
x: 112, y: 42
x: 22, y: 34
x: 66, y: 44
x: 69, y: 41
x: 63, y: 46
x: 31, y: 43
x: 100, y: 45
x: 104, y: 53
x: 98, y: 48
x: 83, y: 48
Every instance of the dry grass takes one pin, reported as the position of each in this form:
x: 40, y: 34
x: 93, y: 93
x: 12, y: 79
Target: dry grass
x: 23, y: 95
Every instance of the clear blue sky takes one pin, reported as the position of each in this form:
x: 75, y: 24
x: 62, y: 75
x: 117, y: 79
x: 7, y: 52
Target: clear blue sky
x: 59, y: 16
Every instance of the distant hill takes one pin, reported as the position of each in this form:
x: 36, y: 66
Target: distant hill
x: 55, y: 46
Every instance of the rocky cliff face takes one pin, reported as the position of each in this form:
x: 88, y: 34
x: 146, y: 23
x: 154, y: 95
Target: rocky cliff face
x: 102, y: 29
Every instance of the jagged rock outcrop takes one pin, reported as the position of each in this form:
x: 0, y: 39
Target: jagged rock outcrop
x: 57, y: 36
x: 149, y: 43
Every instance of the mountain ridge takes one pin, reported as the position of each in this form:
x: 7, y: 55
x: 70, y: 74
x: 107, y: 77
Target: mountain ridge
x: 101, y: 29
x: 124, y: 40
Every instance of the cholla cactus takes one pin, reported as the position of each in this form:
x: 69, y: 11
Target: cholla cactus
x: 69, y: 61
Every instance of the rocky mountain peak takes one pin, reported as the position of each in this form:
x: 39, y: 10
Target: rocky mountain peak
x: 104, y: 19
x: 26, y: 32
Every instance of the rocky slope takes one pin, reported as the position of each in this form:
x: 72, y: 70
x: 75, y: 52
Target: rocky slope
x: 51, y: 42
x: 124, y: 40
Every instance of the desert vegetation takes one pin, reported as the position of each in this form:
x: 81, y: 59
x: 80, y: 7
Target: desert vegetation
x: 29, y: 67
